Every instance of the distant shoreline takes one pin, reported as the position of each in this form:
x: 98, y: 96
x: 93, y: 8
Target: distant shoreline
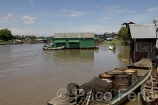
x: 116, y: 42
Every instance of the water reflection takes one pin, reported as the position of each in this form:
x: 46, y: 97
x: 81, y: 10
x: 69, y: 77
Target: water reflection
x: 112, y: 51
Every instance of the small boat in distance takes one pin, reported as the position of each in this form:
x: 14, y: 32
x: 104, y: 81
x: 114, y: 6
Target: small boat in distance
x: 52, y: 48
x: 96, y: 47
x: 112, y: 48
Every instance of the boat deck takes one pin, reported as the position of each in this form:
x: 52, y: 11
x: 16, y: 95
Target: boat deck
x: 145, y: 62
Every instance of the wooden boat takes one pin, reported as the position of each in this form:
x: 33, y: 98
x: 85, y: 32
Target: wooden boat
x: 112, y: 48
x: 96, y: 47
x: 53, y: 48
x: 149, y: 91
x: 124, y: 79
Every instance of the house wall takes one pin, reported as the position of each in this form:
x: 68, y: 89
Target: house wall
x: 83, y: 42
x: 87, y: 43
x: 145, y: 48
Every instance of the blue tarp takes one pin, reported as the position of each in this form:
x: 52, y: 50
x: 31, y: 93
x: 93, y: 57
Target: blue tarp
x: 109, y: 39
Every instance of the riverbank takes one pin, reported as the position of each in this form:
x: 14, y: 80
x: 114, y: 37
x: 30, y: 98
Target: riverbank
x: 116, y: 42
x: 12, y: 42
x: 3, y: 43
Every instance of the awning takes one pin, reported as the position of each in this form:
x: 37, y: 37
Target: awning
x: 60, y: 41
x: 74, y: 41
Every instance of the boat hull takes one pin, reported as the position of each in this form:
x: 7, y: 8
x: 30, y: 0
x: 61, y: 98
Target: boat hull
x: 53, y: 48
x: 112, y: 48
x: 122, y: 96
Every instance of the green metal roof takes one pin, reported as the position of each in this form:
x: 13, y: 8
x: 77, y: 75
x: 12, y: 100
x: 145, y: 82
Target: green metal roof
x: 74, y: 35
x: 59, y: 41
x: 74, y: 41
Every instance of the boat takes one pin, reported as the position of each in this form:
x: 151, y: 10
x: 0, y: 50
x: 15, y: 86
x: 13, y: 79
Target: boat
x: 96, y: 47
x: 112, y: 48
x: 52, y: 48
x: 149, y: 91
x: 109, y: 88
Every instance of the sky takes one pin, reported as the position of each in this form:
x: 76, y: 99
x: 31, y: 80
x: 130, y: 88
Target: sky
x: 46, y: 17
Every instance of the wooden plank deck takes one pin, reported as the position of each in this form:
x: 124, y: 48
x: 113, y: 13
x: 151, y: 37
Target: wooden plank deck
x: 141, y: 72
x: 144, y: 62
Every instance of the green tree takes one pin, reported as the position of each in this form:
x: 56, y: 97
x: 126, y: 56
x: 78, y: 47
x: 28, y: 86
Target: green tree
x: 33, y: 37
x: 17, y: 37
x: 5, y: 34
x: 123, y: 35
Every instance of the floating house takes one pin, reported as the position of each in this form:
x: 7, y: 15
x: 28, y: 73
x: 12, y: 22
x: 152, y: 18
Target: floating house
x: 74, y: 40
x: 143, y: 41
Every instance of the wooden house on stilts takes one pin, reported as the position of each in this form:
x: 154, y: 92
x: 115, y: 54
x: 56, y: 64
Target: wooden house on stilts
x: 143, y: 41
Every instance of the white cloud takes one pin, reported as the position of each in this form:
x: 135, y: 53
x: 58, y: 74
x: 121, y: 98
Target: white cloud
x: 106, y: 18
x: 22, y: 31
x: 72, y: 13
x: 16, y: 31
x: 77, y: 14
x: 117, y: 6
x: 153, y: 9
x: 65, y: 10
x: 82, y: 28
x: 8, y: 16
x: 28, y: 20
x: 96, y: 7
x: 116, y: 9
x: 31, y: 1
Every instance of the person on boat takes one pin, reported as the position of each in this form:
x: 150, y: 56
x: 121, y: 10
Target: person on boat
x: 46, y: 42
x: 114, y: 47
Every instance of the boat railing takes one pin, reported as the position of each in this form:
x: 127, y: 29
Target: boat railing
x: 120, y: 95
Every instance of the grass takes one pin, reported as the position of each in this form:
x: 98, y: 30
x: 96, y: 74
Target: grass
x: 117, y: 42
x: 3, y: 43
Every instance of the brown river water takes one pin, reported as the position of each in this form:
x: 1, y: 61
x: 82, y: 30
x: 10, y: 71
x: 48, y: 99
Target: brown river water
x: 31, y: 76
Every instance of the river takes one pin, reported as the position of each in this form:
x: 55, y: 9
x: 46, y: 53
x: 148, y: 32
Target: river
x: 31, y: 76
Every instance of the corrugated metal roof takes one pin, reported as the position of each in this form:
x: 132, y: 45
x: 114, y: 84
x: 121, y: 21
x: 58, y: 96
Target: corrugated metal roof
x: 74, y: 35
x: 142, y: 31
